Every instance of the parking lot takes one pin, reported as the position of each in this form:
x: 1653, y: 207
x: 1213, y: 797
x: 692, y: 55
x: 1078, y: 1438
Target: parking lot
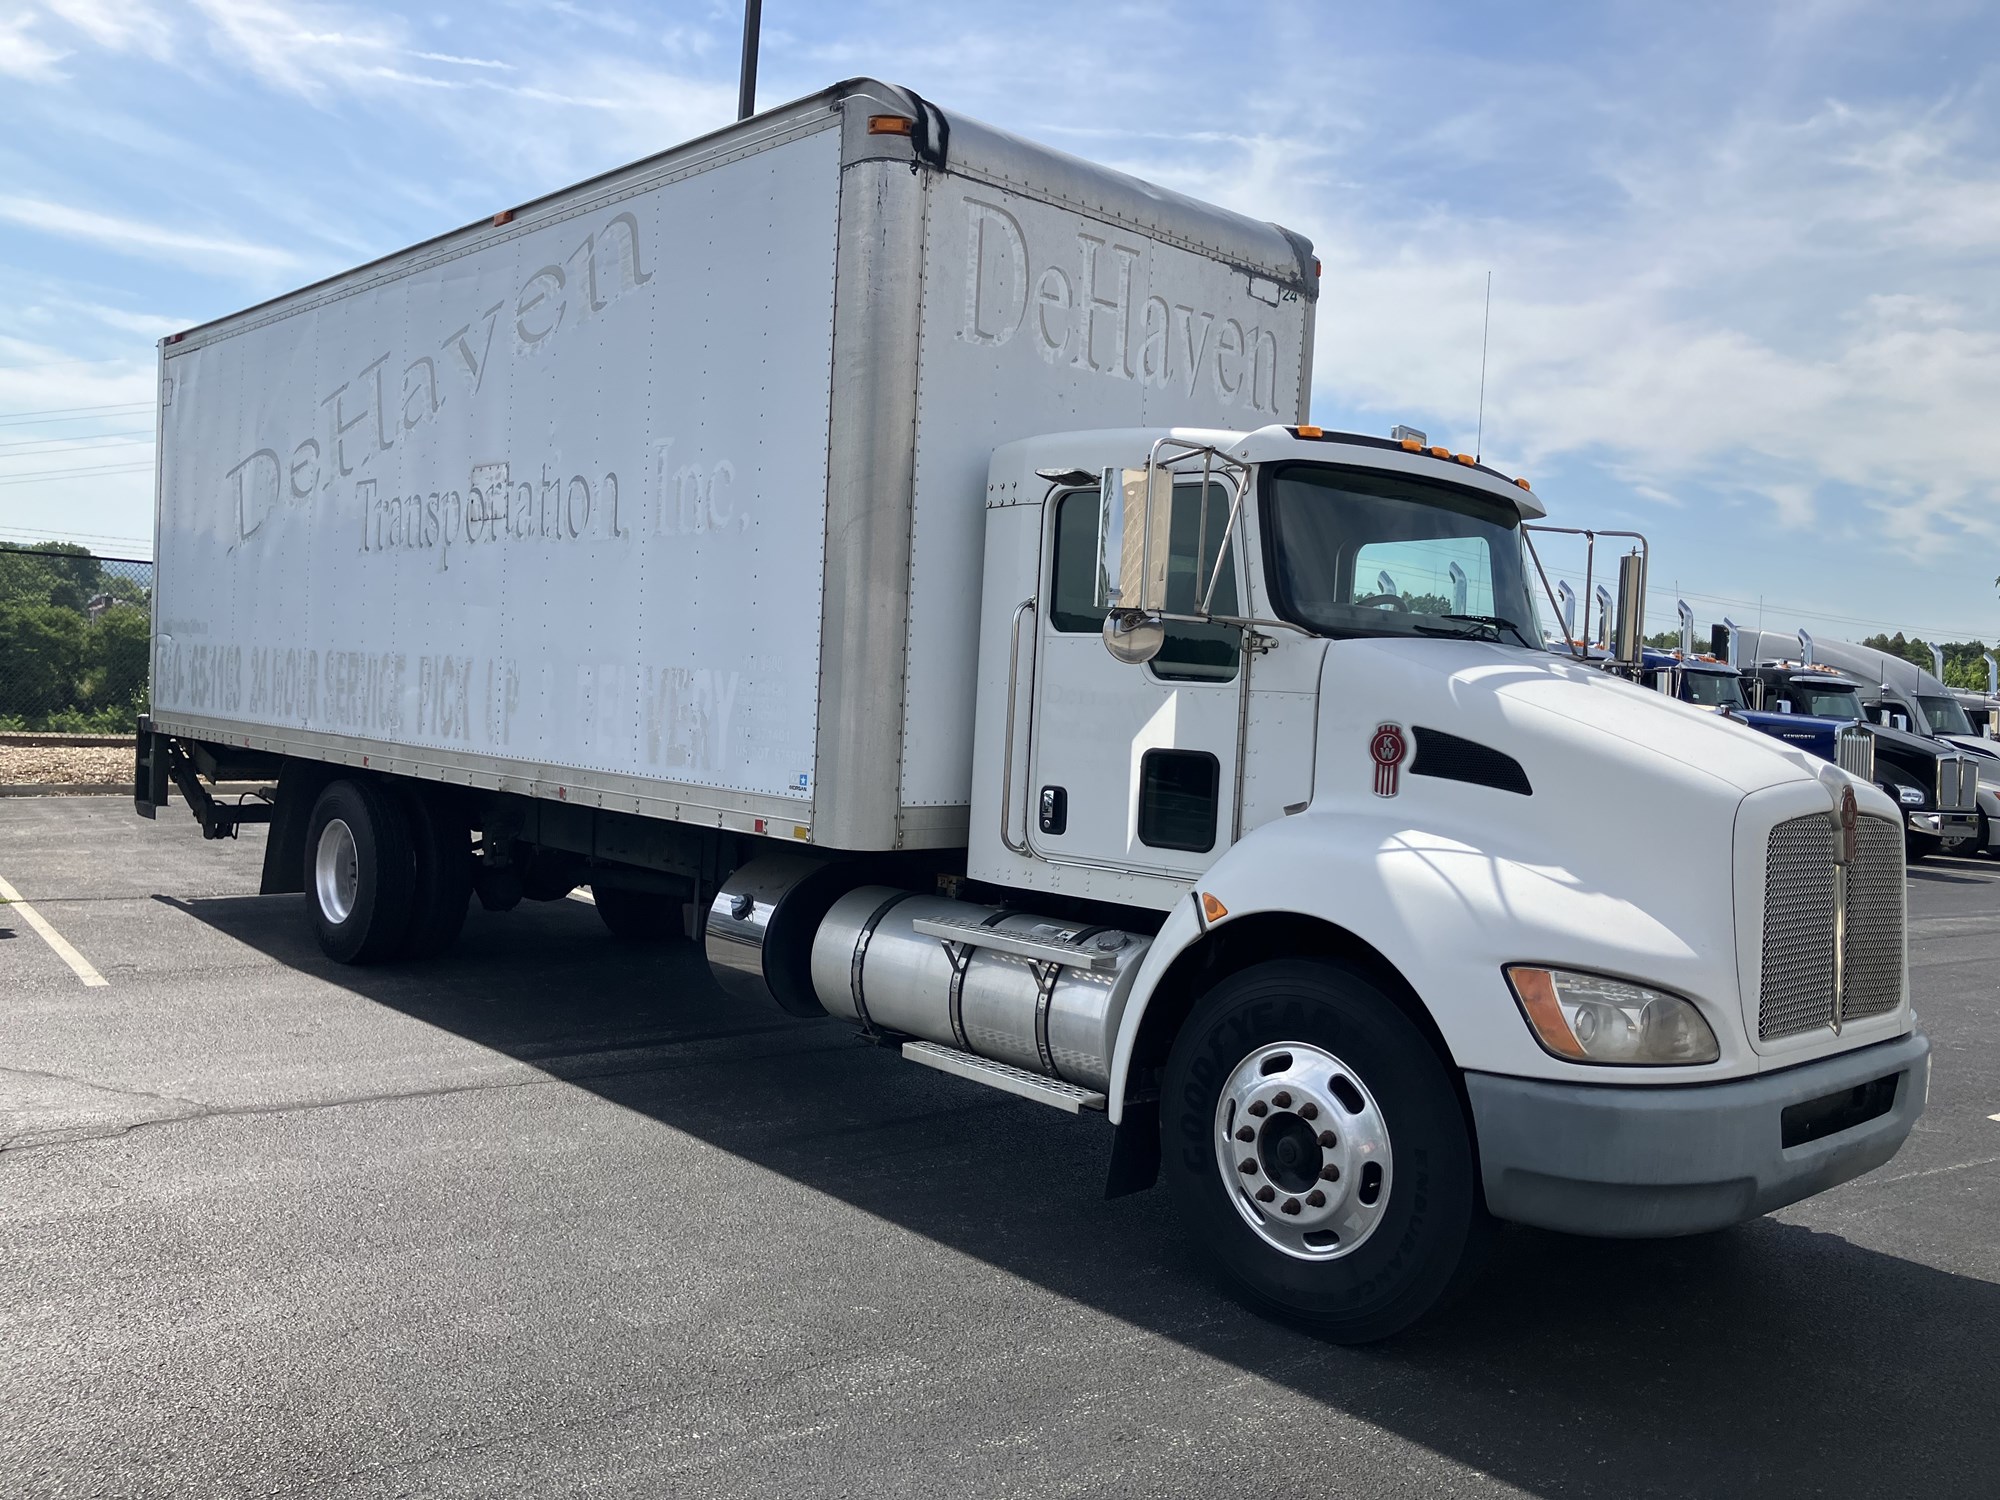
x: 555, y: 1217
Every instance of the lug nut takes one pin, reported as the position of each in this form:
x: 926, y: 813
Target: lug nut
x: 1329, y: 1173
x: 1248, y: 1168
x: 1265, y: 1193
x: 1291, y: 1205
x: 1260, y: 1109
x: 1316, y: 1198
x: 1246, y: 1134
x: 1328, y: 1139
x: 1283, y: 1100
x: 1308, y: 1111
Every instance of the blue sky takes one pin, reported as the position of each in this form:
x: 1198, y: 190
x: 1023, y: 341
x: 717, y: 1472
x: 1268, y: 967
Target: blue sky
x: 1743, y: 255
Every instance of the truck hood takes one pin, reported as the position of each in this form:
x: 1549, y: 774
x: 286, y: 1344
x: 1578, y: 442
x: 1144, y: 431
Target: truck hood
x: 1555, y: 716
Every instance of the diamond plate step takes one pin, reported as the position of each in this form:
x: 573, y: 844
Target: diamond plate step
x: 1008, y: 1079
x: 1084, y: 955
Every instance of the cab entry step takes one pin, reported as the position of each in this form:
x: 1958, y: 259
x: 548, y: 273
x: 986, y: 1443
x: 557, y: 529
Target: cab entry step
x: 1005, y: 1077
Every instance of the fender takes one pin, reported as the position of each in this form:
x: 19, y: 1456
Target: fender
x: 1447, y: 915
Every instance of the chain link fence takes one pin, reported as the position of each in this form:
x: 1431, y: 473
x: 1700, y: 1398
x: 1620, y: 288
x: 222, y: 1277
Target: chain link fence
x: 75, y: 632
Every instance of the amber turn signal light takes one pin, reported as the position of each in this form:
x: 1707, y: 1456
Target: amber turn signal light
x: 889, y: 125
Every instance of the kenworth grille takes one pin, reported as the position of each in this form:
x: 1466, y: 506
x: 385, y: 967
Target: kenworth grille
x: 1958, y: 783
x: 1833, y: 934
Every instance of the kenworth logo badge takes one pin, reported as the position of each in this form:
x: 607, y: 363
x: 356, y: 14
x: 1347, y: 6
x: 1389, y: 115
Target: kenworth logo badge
x: 1388, y: 747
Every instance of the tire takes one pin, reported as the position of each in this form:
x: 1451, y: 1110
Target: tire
x: 1918, y: 846
x: 441, y: 845
x: 639, y: 916
x: 1354, y: 1269
x: 359, y: 872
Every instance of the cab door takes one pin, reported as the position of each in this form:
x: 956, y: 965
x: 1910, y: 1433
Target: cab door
x: 1134, y: 767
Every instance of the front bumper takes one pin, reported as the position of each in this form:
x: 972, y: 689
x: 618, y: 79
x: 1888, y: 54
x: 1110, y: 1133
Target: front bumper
x: 1945, y: 825
x: 1646, y: 1162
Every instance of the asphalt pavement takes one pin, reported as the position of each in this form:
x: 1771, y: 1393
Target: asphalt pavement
x: 555, y: 1217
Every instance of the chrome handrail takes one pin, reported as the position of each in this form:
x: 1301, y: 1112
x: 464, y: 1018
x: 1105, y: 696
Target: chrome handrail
x: 1026, y: 607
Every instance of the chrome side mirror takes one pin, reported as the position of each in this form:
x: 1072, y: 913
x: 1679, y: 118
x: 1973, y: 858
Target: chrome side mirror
x: 1135, y: 527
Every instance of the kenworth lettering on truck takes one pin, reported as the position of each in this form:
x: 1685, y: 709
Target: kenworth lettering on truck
x: 892, y: 555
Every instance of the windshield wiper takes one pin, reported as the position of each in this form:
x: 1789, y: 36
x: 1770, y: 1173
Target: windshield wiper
x: 1491, y: 624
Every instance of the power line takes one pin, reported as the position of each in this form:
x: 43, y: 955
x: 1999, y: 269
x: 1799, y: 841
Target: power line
x: 63, y: 413
x: 75, y: 536
x: 50, y: 475
x: 45, y: 446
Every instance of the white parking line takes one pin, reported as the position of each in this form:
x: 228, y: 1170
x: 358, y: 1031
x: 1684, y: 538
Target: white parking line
x: 77, y: 962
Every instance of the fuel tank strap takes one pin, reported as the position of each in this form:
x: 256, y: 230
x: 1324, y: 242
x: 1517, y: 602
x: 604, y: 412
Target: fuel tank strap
x: 1048, y: 977
x: 861, y: 957
x: 961, y: 960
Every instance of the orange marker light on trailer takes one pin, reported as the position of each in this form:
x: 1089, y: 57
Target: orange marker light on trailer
x: 889, y: 125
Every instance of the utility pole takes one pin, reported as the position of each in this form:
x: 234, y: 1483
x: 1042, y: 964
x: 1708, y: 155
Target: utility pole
x: 746, y: 87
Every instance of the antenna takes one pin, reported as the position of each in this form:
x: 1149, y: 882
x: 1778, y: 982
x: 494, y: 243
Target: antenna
x: 1485, y: 328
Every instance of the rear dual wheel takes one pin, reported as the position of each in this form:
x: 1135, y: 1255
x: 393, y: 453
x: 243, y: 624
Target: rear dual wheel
x: 388, y: 872
x: 1317, y: 1147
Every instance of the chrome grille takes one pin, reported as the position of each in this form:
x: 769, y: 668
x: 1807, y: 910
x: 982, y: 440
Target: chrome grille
x: 1797, y: 990
x: 1874, y: 960
x: 1801, y: 901
x: 1856, y: 753
x: 1958, y: 781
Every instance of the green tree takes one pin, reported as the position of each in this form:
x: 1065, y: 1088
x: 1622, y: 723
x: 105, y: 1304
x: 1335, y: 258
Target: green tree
x: 71, y: 578
x: 41, y: 651
x: 116, y: 649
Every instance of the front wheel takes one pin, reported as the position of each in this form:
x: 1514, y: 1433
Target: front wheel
x: 1316, y: 1146
x: 1918, y: 846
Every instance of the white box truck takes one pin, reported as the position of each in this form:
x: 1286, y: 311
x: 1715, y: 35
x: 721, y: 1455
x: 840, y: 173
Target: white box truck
x: 892, y: 555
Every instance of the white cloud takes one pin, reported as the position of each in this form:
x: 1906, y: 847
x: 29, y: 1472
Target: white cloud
x: 24, y: 55
x: 118, y: 25
x: 208, y: 253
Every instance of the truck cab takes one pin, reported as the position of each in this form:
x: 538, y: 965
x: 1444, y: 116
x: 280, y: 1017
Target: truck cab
x: 1934, y: 784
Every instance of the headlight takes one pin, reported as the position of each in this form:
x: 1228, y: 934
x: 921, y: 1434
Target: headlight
x: 1589, y: 1018
x: 1910, y: 796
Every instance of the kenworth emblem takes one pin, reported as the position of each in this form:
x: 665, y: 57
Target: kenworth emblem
x: 1388, y: 747
x: 1850, y: 826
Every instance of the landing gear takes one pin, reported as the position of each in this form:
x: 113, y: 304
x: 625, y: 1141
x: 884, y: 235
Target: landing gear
x: 1315, y: 1143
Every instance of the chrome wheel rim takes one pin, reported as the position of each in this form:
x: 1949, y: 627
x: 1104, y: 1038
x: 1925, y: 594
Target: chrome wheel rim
x: 336, y: 871
x: 1303, y: 1151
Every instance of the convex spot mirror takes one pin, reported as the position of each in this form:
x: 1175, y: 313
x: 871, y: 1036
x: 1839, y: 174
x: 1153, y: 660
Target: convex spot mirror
x: 1135, y: 527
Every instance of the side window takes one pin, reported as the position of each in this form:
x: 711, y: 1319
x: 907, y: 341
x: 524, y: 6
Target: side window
x: 1177, y: 799
x: 1193, y: 652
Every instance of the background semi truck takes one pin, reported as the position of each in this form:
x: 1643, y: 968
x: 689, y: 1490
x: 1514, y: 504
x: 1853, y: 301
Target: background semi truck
x: 892, y: 555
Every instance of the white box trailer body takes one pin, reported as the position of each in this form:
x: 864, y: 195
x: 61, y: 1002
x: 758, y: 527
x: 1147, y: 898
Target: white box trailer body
x: 666, y: 495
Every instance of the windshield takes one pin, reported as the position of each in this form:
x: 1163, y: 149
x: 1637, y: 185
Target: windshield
x: 1825, y: 700
x: 1356, y: 552
x: 1947, y: 715
x: 1712, y: 689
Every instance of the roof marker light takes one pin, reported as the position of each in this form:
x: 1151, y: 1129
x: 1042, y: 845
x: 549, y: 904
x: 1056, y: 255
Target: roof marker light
x: 1411, y: 445
x: 505, y: 216
x: 1465, y: 458
x: 1307, y: 430
x: 1436, y: 452
x: 1523, y: 483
